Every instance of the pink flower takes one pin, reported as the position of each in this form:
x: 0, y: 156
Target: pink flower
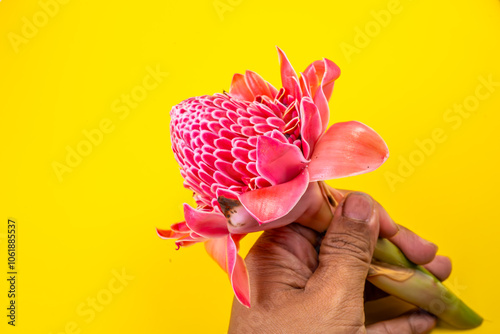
x: 252, y: 156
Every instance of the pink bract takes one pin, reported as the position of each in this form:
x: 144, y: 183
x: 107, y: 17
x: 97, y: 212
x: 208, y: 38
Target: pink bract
x: 251, y: 155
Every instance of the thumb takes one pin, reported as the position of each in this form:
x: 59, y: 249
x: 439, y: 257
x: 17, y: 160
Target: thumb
x: 346, y: 250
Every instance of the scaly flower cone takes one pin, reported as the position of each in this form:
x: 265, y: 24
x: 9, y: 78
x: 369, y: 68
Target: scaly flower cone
x: 255, y: 159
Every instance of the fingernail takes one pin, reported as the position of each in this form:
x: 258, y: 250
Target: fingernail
x: 358, y: 206
x: 397, y: 229
x: 422, y: 322
x: 433, y: 244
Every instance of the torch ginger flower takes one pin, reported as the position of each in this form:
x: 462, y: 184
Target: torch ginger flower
x: 252, y: 156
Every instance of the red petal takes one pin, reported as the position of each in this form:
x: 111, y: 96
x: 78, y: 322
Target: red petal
x: 296, y: 91
x: 180, y: 227
x: 169, y: 234
x: 288, y: 74
x: 304, y: 86
x: 237, y: 272
x: 217, y: 248
x: 258, y: 86
x: 321, y: 76
x: 206, y: 224
x: 331, y: 74
x: 323, y: 72
x: 184, y: 243
x: 311, y: 78
x: 225, y: 252
x: 271, y: 203
x: 310, y: 126
x: 278, y: 162
x: 239, y: 88
x: 346, y: 149
x: 324, y: 110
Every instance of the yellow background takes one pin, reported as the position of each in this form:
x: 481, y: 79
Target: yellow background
x: 101, y: 218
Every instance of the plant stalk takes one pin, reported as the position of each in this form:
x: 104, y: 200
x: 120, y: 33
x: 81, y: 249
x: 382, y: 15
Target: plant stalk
x: 393, y: 273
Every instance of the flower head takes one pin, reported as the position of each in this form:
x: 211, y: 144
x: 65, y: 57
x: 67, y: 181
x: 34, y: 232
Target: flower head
x: 250, y: 155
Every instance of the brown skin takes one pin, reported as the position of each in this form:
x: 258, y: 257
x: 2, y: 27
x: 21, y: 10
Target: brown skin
x: 296, y: 290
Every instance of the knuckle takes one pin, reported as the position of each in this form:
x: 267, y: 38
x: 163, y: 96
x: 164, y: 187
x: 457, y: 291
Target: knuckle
x: 418, y: 323
x: 387, y: 329
x: 346, y: 245
x: 269, y: 263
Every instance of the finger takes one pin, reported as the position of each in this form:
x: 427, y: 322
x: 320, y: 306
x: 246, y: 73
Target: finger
x: 296, y: 240
x: 280, y: 258
x: 416, y: 248
x: 440, y: 267
x: 309, y: 234
x: 414, y: 323
x: 346, y: 250
x: 388, y: 228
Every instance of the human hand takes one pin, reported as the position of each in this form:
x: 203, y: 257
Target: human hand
x: 296, y: 290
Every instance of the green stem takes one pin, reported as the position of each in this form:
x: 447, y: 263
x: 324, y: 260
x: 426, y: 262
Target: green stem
x: 393, y: 273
